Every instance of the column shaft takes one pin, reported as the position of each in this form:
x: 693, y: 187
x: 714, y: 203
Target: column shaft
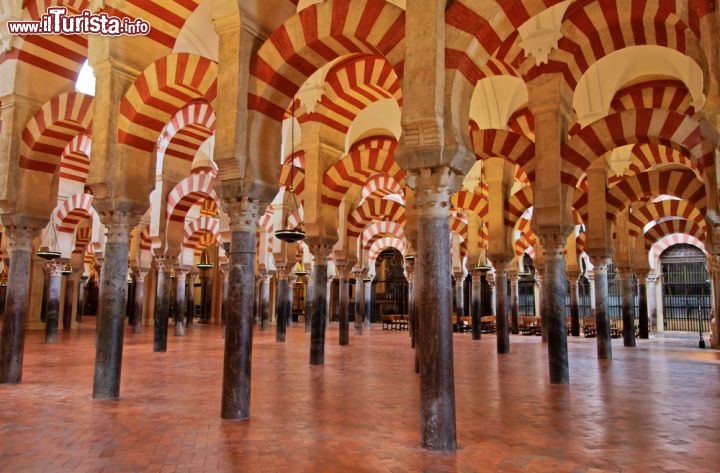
x: 643, y: 320
x: 12, y: 339
x: 359, y: 303
x: 111, y: 317
x: 139, y: 299
x: 502, y: 331
x: 344, y: 308
x: 554, y: 298
x: 309, y: 294
x: 70, y: 284
x: 514, y: 308
x: 319, y: 304
x: 476, y: 304
x: 628, y: 307
x: 265, y: 302
x: 367, y: 320
x: 180, y: 303
x: 602, y: 321
x: 53, y: 302
x: 281, y: 308
x: 574, y: 309
x: 162, y: 307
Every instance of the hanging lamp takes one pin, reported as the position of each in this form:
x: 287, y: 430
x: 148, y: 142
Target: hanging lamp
x: 205, y: 261
x: 290, y: 200
x: 49, y: 247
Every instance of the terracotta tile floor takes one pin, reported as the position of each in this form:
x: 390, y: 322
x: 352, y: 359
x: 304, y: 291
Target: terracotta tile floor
x: 653, y: 408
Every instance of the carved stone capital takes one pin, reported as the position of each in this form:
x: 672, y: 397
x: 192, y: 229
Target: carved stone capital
x: 20, y: 236
x: 553, y: 244
x: 164, y: 264
x: 118, y: 225
x: 139, y: 274
x: 433, y: 188
x: 181, y: 273
x: 243, y: 213
x: 320, y: 249
x: 624, y: 272
x: 55, y: 268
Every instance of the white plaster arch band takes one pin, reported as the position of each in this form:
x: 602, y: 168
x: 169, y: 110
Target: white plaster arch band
x: 72, y: 211
x: 384, y: 243
x: 383, y: 227
x: 188, y: 192
x: 75, y: 159
x: 669, y: 240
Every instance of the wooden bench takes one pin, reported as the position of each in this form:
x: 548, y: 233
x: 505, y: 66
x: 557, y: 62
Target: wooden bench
x: 394, y: 322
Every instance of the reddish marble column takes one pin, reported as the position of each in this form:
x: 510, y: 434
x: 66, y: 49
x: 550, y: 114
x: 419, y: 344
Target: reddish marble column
x: 139, y: 298
x: 628, y: 307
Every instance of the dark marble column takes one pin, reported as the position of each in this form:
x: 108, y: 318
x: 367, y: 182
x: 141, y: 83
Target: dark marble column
x: 320, y: 249
x: 434, y: 305
x: 514, y: 281
x: 180, y: 302
x: 367, y: 316
x: 265, y: 300
x: 71, y: 282
x: 554, y: 295
x: 12, y: 340
x: 281, y: 304
x: 81, y: 298
x: 643, y: 319
x: 204, y: 296
x: 309, y: 294
x: 344, y: 304
x: 329, y: 301
x: 628, y: 306
x: 54, y: 269
x: 257, y: 302
x: 190, y: 307
x: 237, y: 367
x: 292, y: 277
x: 652, y: 304
x: 412, y: 315
x: 459, y: 296
x: 139, y: 274
x: 46, y: 289
x: 359, y: 302
x: 476, y: 303
x: 574, y: 309
x: 602, y: 321
x: 162, y: 302
x: 111, y: 319
x: 540, y: 281
x: 502, y: 328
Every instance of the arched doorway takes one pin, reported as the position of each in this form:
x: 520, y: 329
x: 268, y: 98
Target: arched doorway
x: 390, y: 288
x: 686, y: 295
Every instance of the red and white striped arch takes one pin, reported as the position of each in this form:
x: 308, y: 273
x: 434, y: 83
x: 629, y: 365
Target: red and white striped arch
x: 633, y: 126
x: 593, y: 30
x: 381, y: 185
x: 668, y: 94
x: 651, y: 155
x: 641, y: 216
x: 516, y: 206
x: 52, y: 128
x: 188, y: 192
x: 374, y: 156
x: 351, y: 85
x: 673, y: 227
x: 458, y: 226
x: 470, y: 202
x: 667, y: 241
x: 145, y: 240
x: 379, y: 230
x: 188, y: 129
x: 315, y: 36
x: 59, y: 55
x: 292, y: 173
x: 198, y: 228
x: 384, y: 243
x: 266, y: 220
x: 164, y: 88
x: 651, y: 184
x: 374, y: 209
x: 526, y: 238
x: 75, y: 159
x: 83, y: 235
x: 74, y: 210
x: 494, y: 143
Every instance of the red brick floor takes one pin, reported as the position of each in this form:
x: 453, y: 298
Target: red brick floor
x: 654, y: 408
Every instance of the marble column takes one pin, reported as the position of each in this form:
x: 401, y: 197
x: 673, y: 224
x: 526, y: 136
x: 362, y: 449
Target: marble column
x: 343, y: 304
x: 554, y: 296
x: 292, y: 278
x: 602, y: 320
x: 412, y: 314
x: 643, y: 320
x: 281, y: 306
x: 257, y: 302
x: 162, y: 302
x: 459, y: 295
x: 476, y: 303
x: 359, y: 302
x: 72, y: 281
x: 502, y: 330
x: 329, y: 304
x: 367, y: 316
x: 46, y: 289
x: 320, y: 249
x: 237, y: 366
x: 204, y: 296
x: 12, y: 338
x: 81, y: 298
x: 628, y: 306
x: 139, y: 274
x: 190, y: 291
x: 540, y: 299
x: 590, y: 275
x: 54, y: 269
x: 265, y: 300
x: 180, y: 303
x: 514, y: 282
x: 573, y: 277
x: 111, y: 319
x: 309, y: 294
x: 434, y: 305
x: 652, y: 304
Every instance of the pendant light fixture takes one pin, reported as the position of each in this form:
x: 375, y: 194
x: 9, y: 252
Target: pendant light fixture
x: 205, y: 261
x: 49, y: 247
x: 482, y: 264
x: 290, y: 200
